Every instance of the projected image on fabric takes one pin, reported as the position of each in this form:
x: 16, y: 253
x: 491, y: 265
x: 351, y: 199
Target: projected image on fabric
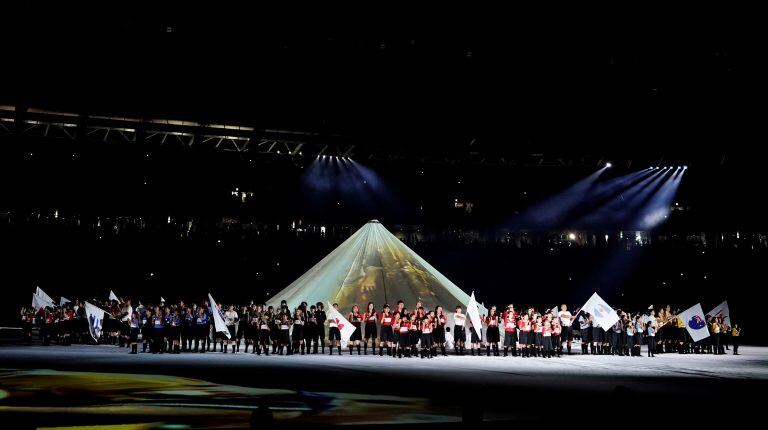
x: 372, y: 266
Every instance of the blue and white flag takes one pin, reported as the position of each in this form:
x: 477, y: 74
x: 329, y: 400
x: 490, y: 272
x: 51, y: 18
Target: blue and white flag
x: 602, y: 313
x: 95, y: 317
x: 694, y: 321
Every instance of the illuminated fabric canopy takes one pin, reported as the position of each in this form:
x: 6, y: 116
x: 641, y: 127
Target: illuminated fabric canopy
x: 372, y: 265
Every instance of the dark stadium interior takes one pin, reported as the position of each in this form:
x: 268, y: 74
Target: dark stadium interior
x: 173, y: 149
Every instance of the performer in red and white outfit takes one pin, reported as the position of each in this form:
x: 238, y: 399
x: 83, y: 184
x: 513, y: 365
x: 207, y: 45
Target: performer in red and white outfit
x: 386, y: 335
x: 427, y: 325
x: 510, y: 331
x: 403, y: 343
x: 526, y: 337
x: 370, y: 317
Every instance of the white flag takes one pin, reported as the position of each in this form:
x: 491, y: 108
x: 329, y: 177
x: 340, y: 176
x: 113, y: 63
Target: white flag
x: 64, y: 300
x: 39, y: 291
x: 162, y: 300
x: 40, y: 302
x: 650, y: 308
x: 345, y: 327
x: 113, y: 296
x: 694, y: 321
x: 473, y: 313
x: 95, y: 317
x: 722, y: 311
x: 218, y: 321
x: 602, y: 313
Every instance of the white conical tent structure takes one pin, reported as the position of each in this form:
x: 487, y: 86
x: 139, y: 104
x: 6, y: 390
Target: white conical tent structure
x: 372, y: 265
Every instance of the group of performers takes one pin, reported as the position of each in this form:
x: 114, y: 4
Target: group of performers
x: 396, y: 332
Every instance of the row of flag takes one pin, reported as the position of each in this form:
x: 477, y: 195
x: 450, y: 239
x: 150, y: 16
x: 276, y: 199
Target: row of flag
x: 602, y: 314
x: 95, y: 314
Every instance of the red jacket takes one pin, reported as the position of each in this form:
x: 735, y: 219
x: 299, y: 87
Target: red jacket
x: 509, y: 324
x: 387, y: 319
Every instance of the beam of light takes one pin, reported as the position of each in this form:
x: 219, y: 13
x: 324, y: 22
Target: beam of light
x: 658, y: 208
x: 554, y: 210
x: 618, y: 209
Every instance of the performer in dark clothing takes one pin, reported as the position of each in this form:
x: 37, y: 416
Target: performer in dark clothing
x: 310, y: 330
x: 321, y: 317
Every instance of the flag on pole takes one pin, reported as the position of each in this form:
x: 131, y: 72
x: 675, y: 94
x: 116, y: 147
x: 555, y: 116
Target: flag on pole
x: 474, y: 314
x: 64, y: 300
x: 650, y: 308
x: 218, y: 321
x: 40, y: 302
x: 95, y: 317
x: 694, y: 321
x: 602, y: 314
x: 39, y: 291
x: 113, y: 296
x: 345, y: 327
x: 162, y: 300
x: 721, y: 311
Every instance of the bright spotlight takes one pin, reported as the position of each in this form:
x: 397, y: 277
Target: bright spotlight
x: 608, y: 165
x: 685, y: 167
x: 572, y: 236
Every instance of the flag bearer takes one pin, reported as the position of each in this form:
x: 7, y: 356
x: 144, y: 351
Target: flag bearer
x: 356, y: 319
x: 459, y: 333
x: 585, y: 323
x: 133, y: 332
x: 334, y: 334
x: 231, y: 319
x: 566, y: 319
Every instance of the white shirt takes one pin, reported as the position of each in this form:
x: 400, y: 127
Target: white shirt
x: 459, y: 319
x: 565, y: 322
x: 230, y: 317
x: 128, y: 311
